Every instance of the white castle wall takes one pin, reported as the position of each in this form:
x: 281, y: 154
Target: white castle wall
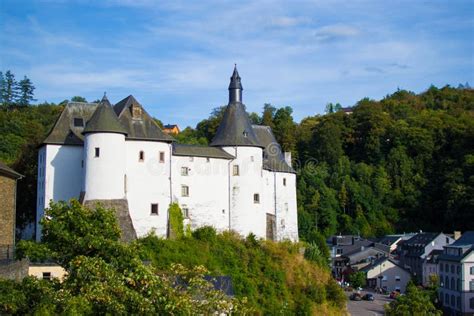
x: 247, y: 216
x: 287, y: 214
x: 104, y: 175
x: 148, y: 182
x: 208, y: 200
x: 59, y: 176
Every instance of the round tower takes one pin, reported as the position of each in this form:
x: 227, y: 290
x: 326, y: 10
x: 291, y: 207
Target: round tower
x: 236, y: 136
x: 104, y: 155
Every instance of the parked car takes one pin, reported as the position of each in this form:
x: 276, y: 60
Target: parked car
x: 355, y: 297
x: 394, y: 294
x: 368, y: 297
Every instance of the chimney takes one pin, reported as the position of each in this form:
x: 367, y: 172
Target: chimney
x: 288, y: 157
x: 457, y: 234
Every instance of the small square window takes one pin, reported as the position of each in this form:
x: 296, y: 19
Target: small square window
x: 256, y: 198
x: 162, y: 156
x: 184, y: 190
x: 185, y: 212
x: 208, y: 159
x: 191, y: 159
x: 141, y: 156
x: 284, y: 182
x: 97, y: 152
x: 184, y: 171
x: 78, y: 122
x: 251, y: 158
x: 46, y: 275
x: 235, y: 170
x: 397, y: 278
x: 154, y: 209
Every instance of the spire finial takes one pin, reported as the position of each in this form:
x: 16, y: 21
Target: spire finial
x: 235, y: 87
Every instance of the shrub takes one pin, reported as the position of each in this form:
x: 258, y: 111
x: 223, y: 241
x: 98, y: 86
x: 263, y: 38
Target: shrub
x: 206, y: 233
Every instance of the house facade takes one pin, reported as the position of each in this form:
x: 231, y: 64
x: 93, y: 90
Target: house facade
x: 387, y: 274
x: 8, y: 181
x: 118, y: 156
x: 456, y: 274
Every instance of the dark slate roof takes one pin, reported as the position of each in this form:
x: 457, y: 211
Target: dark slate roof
x: 9, y: 172
x: 389, y: 240
x: 235, y: 128
x: 144, y: 128
x: 200, y: 151
x: 465, y: 240
x: 356, y: 247
x: 104, y: 120
x: 381, y: 260
x: 273, y: 158
x: 235, y: 82
x: 64, y: 132
x: 433, y: 255
x: 421, y: 239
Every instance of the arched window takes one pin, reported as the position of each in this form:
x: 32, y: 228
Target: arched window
x: 141, y: 156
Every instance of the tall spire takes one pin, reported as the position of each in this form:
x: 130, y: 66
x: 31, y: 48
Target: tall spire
x: 235, y: 87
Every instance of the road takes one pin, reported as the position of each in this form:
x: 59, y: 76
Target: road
x: 366, y: 308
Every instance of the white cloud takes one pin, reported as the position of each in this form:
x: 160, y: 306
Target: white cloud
x: 336, y: 31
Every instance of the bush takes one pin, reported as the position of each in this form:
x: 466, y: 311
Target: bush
x: 206, y: 233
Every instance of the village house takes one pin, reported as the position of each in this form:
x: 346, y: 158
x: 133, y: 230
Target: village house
x: 387, y: 274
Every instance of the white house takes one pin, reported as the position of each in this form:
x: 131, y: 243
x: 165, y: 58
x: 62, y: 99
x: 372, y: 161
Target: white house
x: 456, y: 276
x: 117, y: 155
x: 387, y: 274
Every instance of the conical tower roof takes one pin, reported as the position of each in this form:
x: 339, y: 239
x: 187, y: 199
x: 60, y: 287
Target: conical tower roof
x: 104, y: 120
x: 235, y: 128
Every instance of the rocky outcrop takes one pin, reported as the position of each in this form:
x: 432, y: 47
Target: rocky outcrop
x: 122, y: 214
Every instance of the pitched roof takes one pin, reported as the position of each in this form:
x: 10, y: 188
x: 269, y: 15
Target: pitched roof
x: 200, y: 151
x: 421, y: 239
x: 9, y: 172
x: 64, y: 132
x: 380, y: 261
x: 142, y: 128
x: 273, y: 158
x: 235, y: 128
x: 465, y: 240
x: 104, y: 120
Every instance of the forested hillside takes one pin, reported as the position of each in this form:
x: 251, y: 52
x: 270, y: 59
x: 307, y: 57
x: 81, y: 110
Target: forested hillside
x: 389, y: 166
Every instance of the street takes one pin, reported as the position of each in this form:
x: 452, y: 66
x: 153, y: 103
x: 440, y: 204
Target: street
x: 365, y: 308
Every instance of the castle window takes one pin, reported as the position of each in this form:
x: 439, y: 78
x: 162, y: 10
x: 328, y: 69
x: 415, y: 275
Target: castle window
x: 251, y: 158
x: 162, y: 156
x: 191, y: 159
x: 184, y: 171
x: 47, y: 276
x: 284, y: 182
x: 154, y: 209
x: 78, y: 122
x: 185, y: 212
x: 245, y: 134
x: 235, y: 170
x: 208, y: 159
x: 184, y: 190
x: 256, y: 198
x: 141, y: 156
x: 97, y: 152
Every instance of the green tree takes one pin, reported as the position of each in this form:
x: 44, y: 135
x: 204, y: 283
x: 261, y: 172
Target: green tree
x: 414, y: 302
x: 78, y: 99
x: 9, y: 90
x: 26, y: 92
x: 284, y: 129
x: 357, y: 279
x: 268, y: 115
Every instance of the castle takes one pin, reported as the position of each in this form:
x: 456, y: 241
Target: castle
x: 118, y: 156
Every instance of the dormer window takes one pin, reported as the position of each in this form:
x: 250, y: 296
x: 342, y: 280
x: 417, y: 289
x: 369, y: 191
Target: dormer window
x: 136, y: 111
x: 78, y: 122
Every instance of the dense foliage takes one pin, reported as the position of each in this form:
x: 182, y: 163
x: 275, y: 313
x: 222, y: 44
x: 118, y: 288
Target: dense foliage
x: 105, y: 276
x: 273, y: 276
x: 415, y: 302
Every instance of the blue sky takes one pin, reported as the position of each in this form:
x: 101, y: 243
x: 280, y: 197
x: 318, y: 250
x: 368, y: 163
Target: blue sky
x: 176, y: 57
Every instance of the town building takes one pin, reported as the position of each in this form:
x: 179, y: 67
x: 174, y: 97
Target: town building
x: 8, y: 183
x: 456, y: 274
x: 172, y: 129
x: 118, y: 156
x: 415, y: 250
x: 387, y: 274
